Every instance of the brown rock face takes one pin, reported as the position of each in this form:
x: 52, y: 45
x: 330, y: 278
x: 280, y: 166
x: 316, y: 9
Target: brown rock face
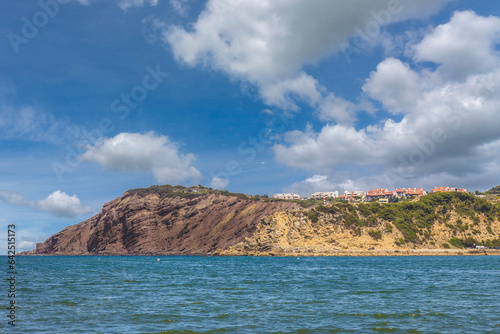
x: 134, y: 224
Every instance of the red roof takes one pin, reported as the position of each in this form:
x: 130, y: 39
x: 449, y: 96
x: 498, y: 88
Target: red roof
x: 379, y: 192
x: 445, y: 189
x: 385, y: 192
x: 415, y: 191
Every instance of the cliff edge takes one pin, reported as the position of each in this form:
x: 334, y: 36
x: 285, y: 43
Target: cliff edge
x: 200, y: 221
x: 164, y: 220
x: 436, y: 224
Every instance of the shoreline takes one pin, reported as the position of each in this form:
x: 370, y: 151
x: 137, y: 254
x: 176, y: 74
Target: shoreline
x: 333, y: 253
x: 370, y: 253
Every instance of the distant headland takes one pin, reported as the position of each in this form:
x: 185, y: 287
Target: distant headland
x: 168, y: 220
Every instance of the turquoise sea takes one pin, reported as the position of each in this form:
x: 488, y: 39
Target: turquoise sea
x: 184, y: 294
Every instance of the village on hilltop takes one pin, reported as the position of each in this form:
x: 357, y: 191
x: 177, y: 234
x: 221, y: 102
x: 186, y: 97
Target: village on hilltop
x: 375, y: 195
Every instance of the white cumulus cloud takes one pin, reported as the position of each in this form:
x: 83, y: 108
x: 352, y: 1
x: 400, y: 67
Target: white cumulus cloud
x: 219, y: 183
x: 450, y: 118
x: 267, y: 43
x: 463, y: 46
x: 395, y: 85
x: 58, y: 203
x: 61, y: 204
x: 148, y: 152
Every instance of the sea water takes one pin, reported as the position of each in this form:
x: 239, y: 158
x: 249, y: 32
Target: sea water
x: 185, y: 294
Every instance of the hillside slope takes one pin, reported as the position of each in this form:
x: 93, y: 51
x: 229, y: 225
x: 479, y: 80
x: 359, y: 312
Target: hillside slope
x: 437, y: 224
x: 162, y: 220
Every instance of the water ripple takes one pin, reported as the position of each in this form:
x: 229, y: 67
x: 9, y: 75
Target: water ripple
x: 264, y: 295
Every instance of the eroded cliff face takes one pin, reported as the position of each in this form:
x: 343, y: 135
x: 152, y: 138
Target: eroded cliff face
x: 197, y: 220
x: 134, y: 224
x: 293, y: 233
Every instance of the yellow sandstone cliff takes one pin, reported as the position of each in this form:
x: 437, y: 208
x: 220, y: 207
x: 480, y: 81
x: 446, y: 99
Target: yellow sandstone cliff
x: 298, y: 233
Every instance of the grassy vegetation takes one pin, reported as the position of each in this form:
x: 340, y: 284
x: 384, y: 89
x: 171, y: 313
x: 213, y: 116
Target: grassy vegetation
x: 309, y: 202
x: 471, y: 242
x: 375, y: 234
x: 494, y: 191
x: 312, y: 215
x: 168, y: 191
x: 415, y: 219
x: 455, y: 242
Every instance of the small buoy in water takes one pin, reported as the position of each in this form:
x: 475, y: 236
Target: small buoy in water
x: 98, y: 259
x: 297, y: 258
x: 157, y: 259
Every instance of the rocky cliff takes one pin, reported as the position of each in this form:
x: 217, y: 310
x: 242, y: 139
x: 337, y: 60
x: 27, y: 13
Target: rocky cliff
x: 197, y: 220
x: 438, y: 224
x: 146, y: 221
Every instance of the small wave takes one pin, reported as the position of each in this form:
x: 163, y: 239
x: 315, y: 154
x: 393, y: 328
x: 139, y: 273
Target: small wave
x: 65, y: 303
x: 361, y: 292
x: 385, y: 329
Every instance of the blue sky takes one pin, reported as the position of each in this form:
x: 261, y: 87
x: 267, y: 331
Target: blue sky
x: 97, y: 97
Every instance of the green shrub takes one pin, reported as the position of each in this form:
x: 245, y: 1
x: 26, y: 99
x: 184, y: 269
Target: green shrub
x: 488, y: 228
x: 309, y: 202
x: 460, y: 225
x: 372, y: 220
x: 353, y: 220
x: 313, y: 216
x: 389, y: 212
x: 400, y: 241
x: 469, y: 242
x: 364, y: 210
x: 409, y: 231
x: 445, y: 245
x: 476, y: 220
x: 350, y: 207
x: 374, y: 207
x: 388, y: 227
x: 328, y: 209
x: 375, y: 234
x: 340, y: 200
x: 490, y: 243
x: 455, y: 242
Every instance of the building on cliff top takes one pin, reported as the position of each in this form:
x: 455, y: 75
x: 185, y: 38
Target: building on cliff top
x: 446, y: 189
x: 400, y: 193
x: 354, y: 195
x: 287, y: 196
x: 378, y: 194
x: 322, y: 194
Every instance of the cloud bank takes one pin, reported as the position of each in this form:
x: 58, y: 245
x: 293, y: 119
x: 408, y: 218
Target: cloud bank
x: 149, y: 152
x: 440, y: 120
x: 450, y: 125
x: 267, y: 43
